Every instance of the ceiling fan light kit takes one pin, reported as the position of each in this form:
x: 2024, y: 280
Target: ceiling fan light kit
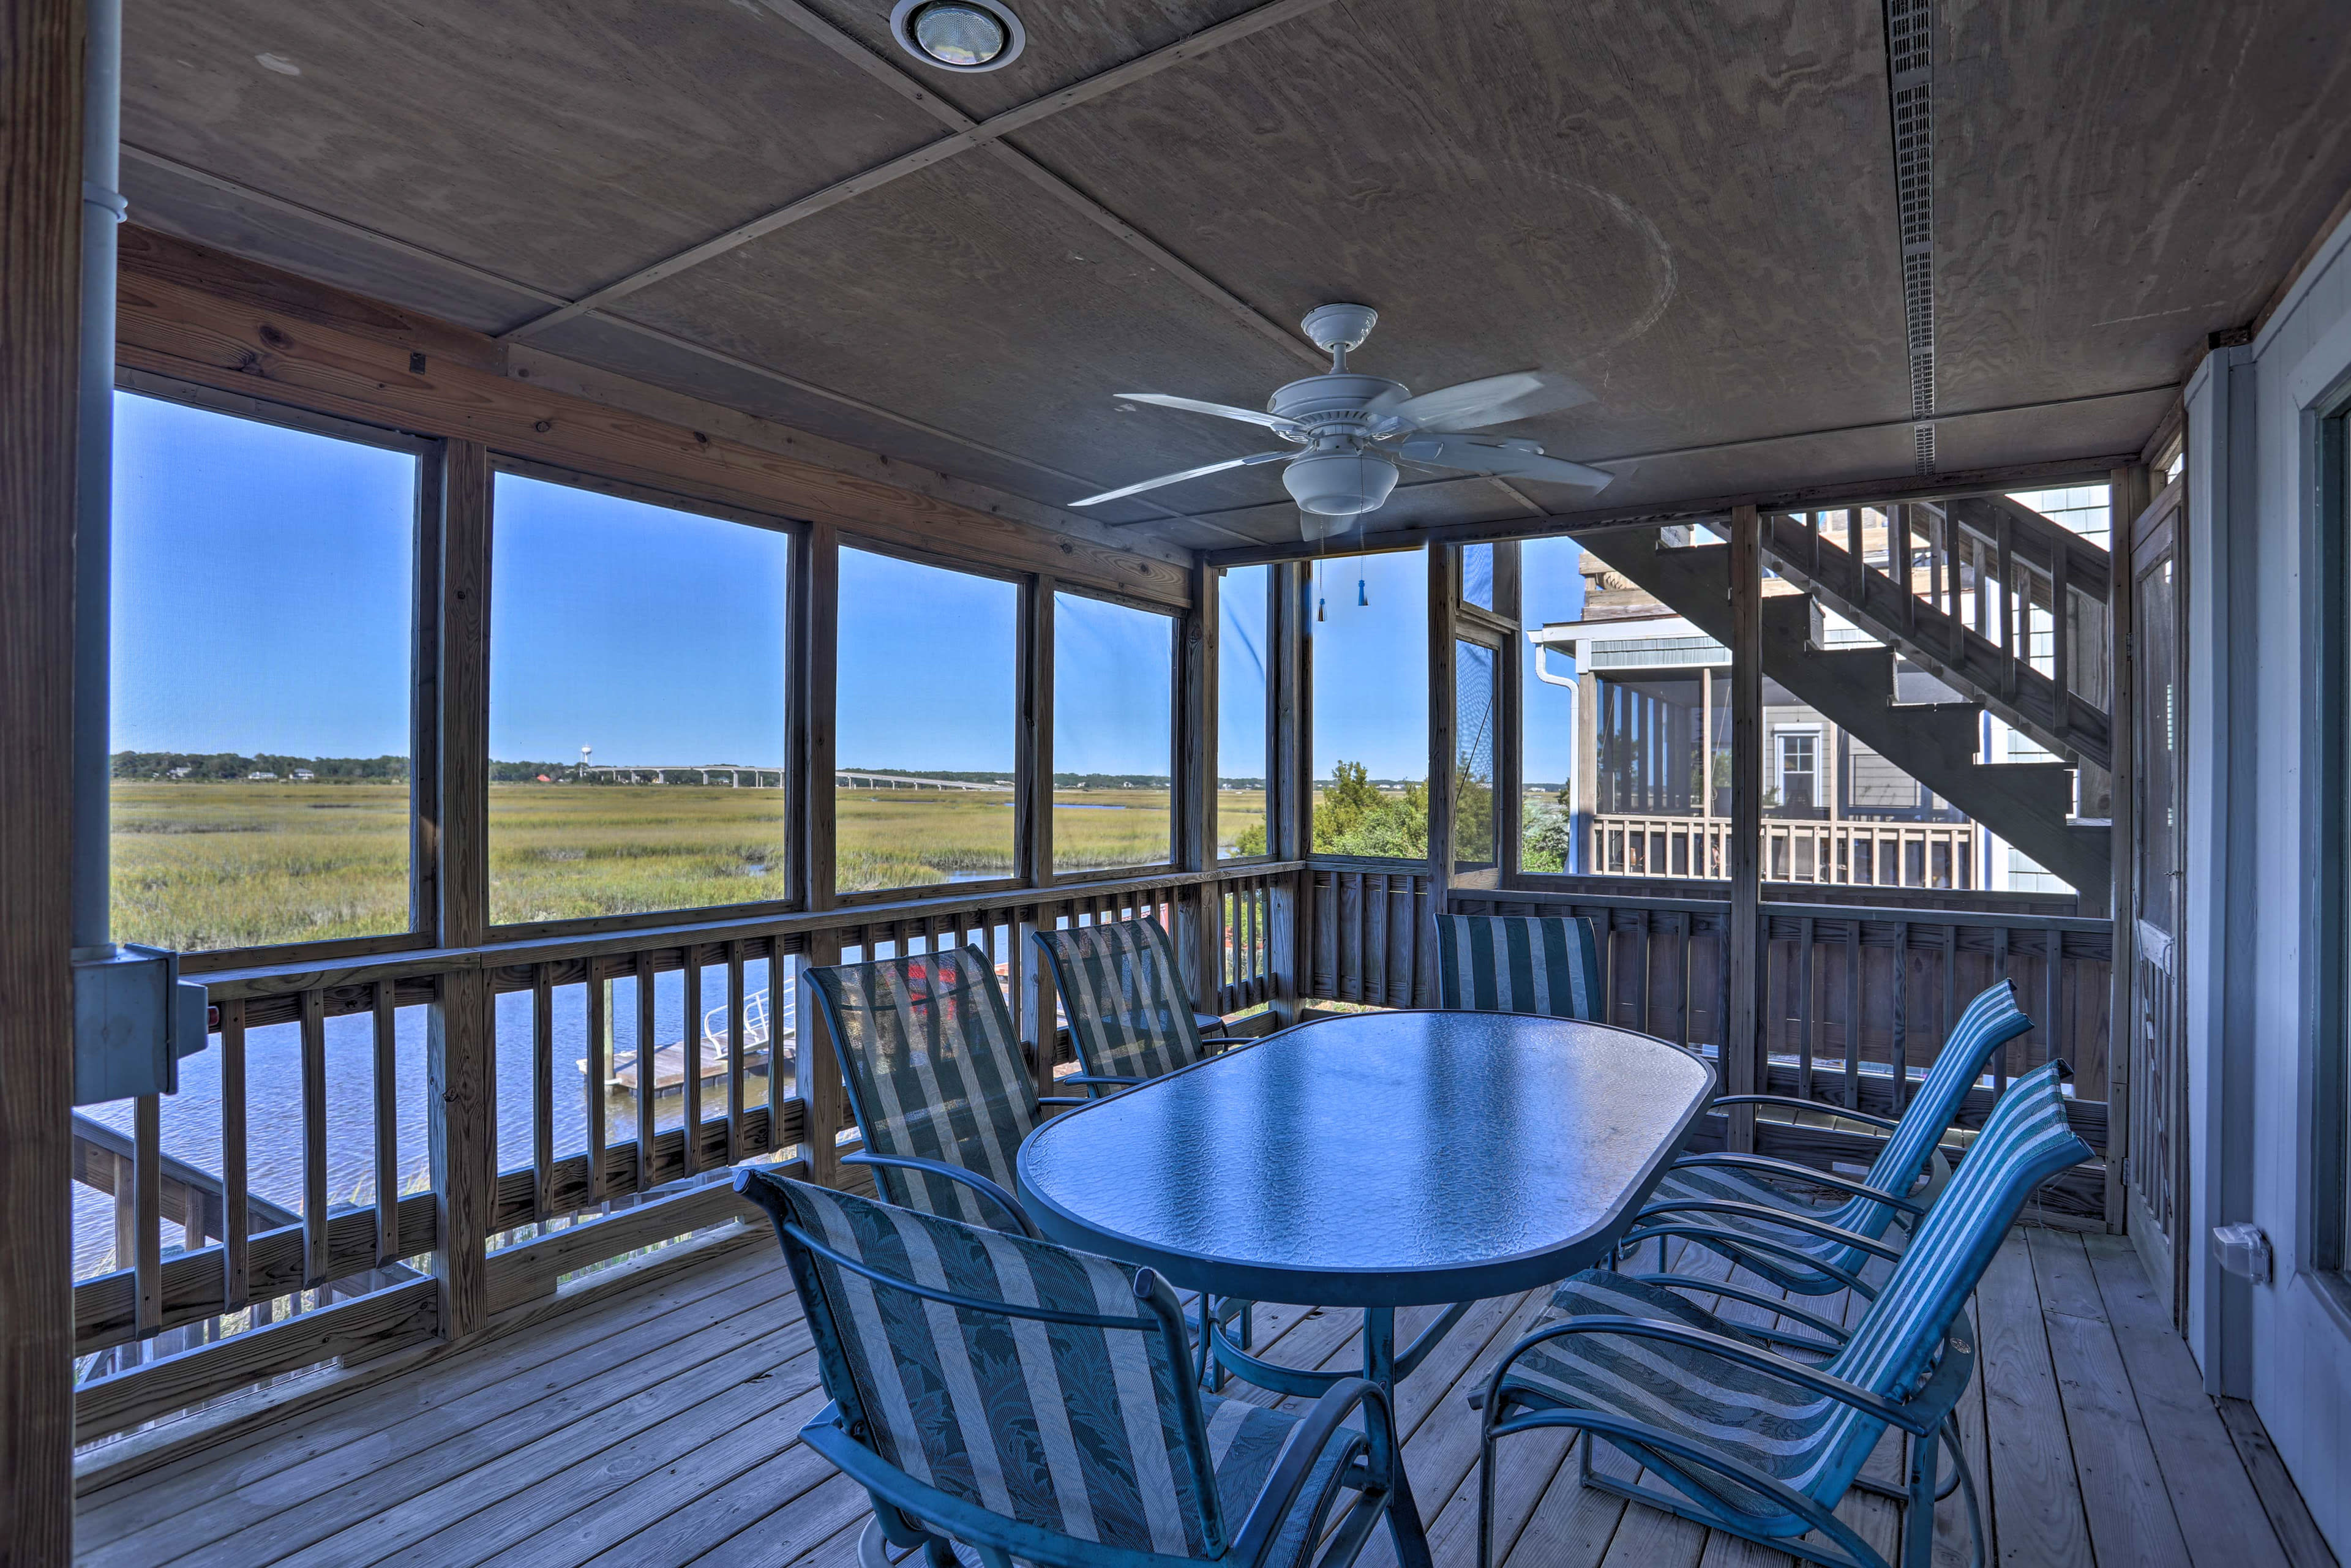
x: 1350, y: 431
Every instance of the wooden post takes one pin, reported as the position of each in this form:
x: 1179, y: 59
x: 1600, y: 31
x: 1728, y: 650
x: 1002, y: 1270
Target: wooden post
x: 1583, y: 799
x: 460, y: 1039
x: 41, y: 294
x: 1033, y: 768
x: 1197, y: 759
x: 824, y: 1102
x: 1510, y: 676
x: 1743, y: 1049
x: 1035, y: 1002
x: 815, y: 635
x: 1289, y: 791
x: 1444, y: 593
x: 2127, y: 494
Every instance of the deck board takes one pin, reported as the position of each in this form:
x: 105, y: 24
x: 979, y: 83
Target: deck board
x: 658, y: 1428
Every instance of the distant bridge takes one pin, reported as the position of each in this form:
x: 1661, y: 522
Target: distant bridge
x: 729, y: 773
x: 743, y: 778
x: 847, y: 779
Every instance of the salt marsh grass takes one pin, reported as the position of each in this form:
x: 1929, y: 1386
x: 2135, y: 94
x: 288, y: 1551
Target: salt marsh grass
x: 204, y: 866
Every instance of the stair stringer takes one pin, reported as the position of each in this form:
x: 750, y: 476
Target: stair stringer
x: 2025, y: 803
x: 1962, y: 657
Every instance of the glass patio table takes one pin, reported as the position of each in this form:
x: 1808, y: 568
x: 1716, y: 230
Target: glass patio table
x: 1373, y: 1160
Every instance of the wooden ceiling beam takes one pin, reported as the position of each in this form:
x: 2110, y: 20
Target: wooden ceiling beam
x: 1910, y: 486
x: 964, y: 135
x: 198, y: 316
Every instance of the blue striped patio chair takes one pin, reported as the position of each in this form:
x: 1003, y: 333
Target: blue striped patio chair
x: 1760, y: 1445
x: 1123, y: 992
x: 1761, y: 1212
x: 937, y: 1080
x: 1518, y: 964
x: 1030, y: 1403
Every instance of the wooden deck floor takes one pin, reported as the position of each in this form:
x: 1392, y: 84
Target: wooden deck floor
x: 658, y: 1428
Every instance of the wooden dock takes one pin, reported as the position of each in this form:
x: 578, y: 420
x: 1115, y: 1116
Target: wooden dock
x: 658, y: 1428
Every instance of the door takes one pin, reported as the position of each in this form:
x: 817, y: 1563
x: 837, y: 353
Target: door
x: 2155, y: 1165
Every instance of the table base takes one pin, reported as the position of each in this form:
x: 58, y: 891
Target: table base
x: 1382, y: 1362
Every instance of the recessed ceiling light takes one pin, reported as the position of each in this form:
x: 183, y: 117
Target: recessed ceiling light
x: 958, y: 35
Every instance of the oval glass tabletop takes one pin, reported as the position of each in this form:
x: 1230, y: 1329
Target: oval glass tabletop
x: 1375, y: 1159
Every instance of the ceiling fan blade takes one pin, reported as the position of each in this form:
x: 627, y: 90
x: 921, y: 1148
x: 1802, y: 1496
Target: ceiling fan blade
x: 1496, y: 400
x: 1221, y: 410
x: 1250, y: 461
x: 1516, y: 460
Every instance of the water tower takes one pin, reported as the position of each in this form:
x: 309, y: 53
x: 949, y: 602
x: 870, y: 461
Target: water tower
x: 583, y: 762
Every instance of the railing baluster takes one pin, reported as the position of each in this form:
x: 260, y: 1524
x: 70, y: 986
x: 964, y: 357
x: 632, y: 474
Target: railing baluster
x: 1688, y: 925
x: 387, y: 1125
x: 1950, y: 981
x: 1901, y: 1049
x: 2061, y: 612
x: 690, y: 1053
x: 2053, y: 985
x: 738, y: 1030
x: 314, y: 1136
x: 1805, y: 1008
x: 236, y: 1220
x: 147, y: 1210
x: 783, y: 981
x: 599, y: 1070
x: 1999, y: 970
x: 1852, y: 1013
x: 1648, y: 939
x: 645, y: 1046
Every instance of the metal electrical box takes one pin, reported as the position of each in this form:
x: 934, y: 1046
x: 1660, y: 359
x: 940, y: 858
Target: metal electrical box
x: 134, y: 1018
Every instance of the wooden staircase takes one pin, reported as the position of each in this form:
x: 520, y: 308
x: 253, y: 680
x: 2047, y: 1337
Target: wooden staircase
x: 1981, y: 567
x: 2029, y: 804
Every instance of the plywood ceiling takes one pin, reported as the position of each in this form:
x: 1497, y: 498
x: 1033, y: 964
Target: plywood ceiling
x: 1690, y: 208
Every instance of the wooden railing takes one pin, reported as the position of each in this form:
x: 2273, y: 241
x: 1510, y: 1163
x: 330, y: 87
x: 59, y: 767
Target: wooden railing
x: 1848, y: 851
x: 1371, y: 940
x: 1856, y: 1002
x: 252, y: 1286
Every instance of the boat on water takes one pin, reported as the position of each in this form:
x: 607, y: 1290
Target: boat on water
x: 670, y: 1062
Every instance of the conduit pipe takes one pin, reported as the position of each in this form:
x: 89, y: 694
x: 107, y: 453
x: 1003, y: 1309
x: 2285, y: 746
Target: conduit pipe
x: 134, y: 1015
x: 102, y: 209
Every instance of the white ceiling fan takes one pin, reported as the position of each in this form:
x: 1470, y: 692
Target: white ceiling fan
x: 1348, y: 431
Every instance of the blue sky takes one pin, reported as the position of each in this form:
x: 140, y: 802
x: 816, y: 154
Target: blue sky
x: 262, y: 584
x: 262, y: 603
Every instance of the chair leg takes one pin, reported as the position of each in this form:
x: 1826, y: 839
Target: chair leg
x: 1919, y: 1512
x: 1976, y: 1554
x: 1486, y: 1458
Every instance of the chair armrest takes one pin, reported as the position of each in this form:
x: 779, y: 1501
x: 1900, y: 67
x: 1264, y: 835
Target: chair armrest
x: 1225, y: 1040
x: 980, y: 1184
x: 1836, y: 1333
x: 1096, y: 1084
x: 1321, y: 1421
x: 1778, y: 1217
x: 1741, y: 1246
x: 1791, y: 1103
x: 1811, y: 1379
x: 1795, y: 1172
